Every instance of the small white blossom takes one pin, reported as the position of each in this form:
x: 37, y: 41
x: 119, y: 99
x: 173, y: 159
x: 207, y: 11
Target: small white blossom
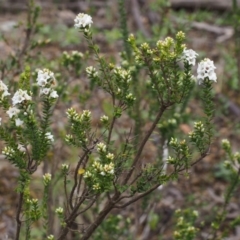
x: 20, y: 96
x: 64, y: 167
x: 110, y: 156
x: 3, y: 86
x: 206, y: 69
x: 109, y: 168
x: 3, y: 89
x: 44, y: 77
x: 47, y: 178
x: 44, y: 91
x: 123, y: 74
x: 59, y: 210
x: 77, y: 54
x: 50, y: 237
x: 190, y: 56
x: 12, y: 111
x: 91, y: 72
x: 53, y: 94
x: 82, y: 21
x: 101, y: 147
x: 130, y: 97
x: 226, y: 144
x: 96, y: 186
x: 104, y: 119
x: 49, y: 136
x: 18, y: 122
x: 87, y: 174
x: 8, y: 151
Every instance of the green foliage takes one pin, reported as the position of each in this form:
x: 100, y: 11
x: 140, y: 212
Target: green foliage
x: 185, y: 228
x: 114, y: 227
x: 149, y: 88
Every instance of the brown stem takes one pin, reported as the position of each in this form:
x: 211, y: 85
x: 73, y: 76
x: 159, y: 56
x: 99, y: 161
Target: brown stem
x: 110, y: 130
x: 108, y: 207
x: 137, y: 197
x: 19, y: 222
x: 155, y: 186
x: 144, y: 141
x: 76, y: 177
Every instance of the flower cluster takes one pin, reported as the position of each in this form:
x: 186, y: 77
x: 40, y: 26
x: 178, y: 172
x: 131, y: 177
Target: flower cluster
x: 101, y: 147
x: 8, y: 151
x: 190, y: 56
x: 47, y: 179
x: 50, y: 237
x: 197, y: 136
x: 91, y: 72
x: 104, y: 169
x: 122, y: 74
x: 12, y: 112
x: 206, y: 69
x: 65, y: 167
x: 73, y: 115
x: 226, y: 144
x: 59, y: 210
x: 21, y: 96
x: 73, y: 55
x: 46, y: 80
x: 83, y: 21
x: 101, y: 172
x: 104, y: 119
x: 49, y: 137
x: 3, y: 90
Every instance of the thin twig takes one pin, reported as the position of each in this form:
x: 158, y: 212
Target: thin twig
x: 19, y: 222
x: 144, y: 141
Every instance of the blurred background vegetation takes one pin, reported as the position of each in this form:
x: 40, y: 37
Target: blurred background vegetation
x: 212, y: 30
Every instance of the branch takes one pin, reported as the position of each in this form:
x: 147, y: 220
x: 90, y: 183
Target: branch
x: 144, y: 141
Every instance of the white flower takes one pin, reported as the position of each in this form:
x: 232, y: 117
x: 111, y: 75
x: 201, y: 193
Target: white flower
x: 44, y: 77
x: 206, y: 69
x: 18, y: 122
x: 110, y: 156
x: 104, y: 119
x: 44, y: 91
x: 4, y: 89
x: 5, y: 93
x: 190, y: 56
x: 59, y: 210
x: 82, y: 21
x: 50, y: 237
x: 53, y: 94
x: 3, y: 86
x: 91, y: 71
x: 49, y: 136
x: 0, y: 121
x: 64, y: 166
x: 20, y: 96
x: 101, y: 147
x: 12, y: 111
x: 47, y: 178
x: 8, y: 151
